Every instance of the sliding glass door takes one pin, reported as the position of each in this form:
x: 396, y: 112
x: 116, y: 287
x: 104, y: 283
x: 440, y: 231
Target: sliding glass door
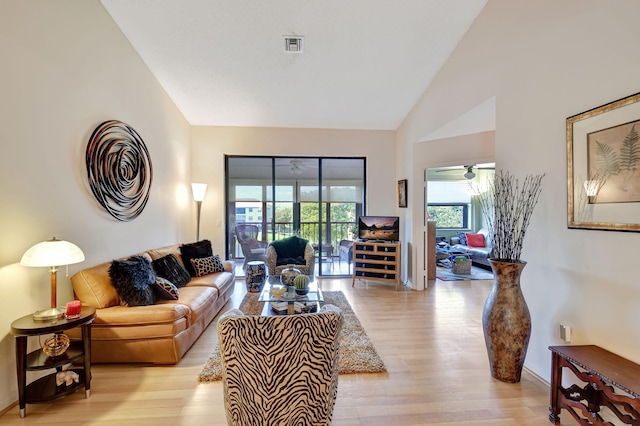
x: 318, y: 199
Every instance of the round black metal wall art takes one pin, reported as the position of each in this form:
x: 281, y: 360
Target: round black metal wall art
x: 119, y: 169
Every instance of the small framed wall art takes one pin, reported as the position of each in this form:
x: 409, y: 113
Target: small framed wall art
x: 603, y: 167
x: 402, y: 193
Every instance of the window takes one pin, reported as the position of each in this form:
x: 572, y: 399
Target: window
x: 449, y: 216
x: 449, y: 204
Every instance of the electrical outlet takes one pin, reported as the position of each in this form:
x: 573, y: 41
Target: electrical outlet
x: 565, y: 333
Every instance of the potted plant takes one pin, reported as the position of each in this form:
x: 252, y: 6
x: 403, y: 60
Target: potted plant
x: 506, y: 322
x: 301, y: 282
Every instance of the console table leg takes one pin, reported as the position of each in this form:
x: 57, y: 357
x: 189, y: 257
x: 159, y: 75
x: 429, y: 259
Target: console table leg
x: 21, y: 369
x: 556, y: 382
x: 86, y: 342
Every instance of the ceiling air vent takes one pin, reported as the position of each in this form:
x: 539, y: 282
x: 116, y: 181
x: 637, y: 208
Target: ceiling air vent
x: 293, y: 44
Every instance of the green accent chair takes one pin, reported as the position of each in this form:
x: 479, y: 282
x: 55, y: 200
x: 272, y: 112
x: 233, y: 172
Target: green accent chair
x: 294, y: 251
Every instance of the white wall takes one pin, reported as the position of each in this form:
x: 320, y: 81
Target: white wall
x: 545, y: 61
x: 66, y: 67
x: 211, y: 144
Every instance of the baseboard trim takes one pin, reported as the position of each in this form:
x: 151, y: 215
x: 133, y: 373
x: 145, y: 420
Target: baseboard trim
x: 7, y: 409
x: 540, y: 379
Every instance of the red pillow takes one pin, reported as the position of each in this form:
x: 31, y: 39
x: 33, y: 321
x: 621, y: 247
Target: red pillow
x: 475, y: 240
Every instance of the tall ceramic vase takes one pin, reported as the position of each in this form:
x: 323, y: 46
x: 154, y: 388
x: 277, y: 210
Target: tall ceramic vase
x: 506, y: 322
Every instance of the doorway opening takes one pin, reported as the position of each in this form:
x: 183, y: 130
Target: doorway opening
x: 451, y: 201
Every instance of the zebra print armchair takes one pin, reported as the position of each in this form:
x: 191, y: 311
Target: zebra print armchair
x: 280, y: 370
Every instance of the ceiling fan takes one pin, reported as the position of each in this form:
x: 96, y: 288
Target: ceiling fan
x: 296, y: 166
x: 469, y: 173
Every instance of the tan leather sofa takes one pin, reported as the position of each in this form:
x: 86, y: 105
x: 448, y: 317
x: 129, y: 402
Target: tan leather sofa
x: 158, y: 334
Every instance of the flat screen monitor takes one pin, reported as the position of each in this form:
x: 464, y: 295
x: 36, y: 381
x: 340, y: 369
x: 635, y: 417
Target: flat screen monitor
x: 379, y: 228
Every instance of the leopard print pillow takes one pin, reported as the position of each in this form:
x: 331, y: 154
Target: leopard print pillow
x: 207, y: 265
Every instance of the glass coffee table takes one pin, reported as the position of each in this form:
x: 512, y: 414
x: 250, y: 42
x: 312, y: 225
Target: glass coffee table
x: 290, y: 303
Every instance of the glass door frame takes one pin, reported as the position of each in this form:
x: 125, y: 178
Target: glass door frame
x: 269, y: 223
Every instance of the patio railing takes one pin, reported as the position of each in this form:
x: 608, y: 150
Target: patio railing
x: 337, y: 231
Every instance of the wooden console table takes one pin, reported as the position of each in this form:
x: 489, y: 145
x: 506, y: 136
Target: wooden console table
x: 601, y: 370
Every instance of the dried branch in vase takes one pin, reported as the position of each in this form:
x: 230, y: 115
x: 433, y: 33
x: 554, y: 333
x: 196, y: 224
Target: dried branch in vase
x: 507, y: 209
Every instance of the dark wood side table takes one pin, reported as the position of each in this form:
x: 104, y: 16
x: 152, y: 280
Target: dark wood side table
x: 45, y: 388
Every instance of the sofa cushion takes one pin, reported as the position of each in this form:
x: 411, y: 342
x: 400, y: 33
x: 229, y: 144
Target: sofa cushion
x: 163, y: 312
x: 485, y: 233
x: 475, y: 240
x: 194, y: 251
x: 207, y: 265
x: 171, y: 268
x: 129, y: 333
x: 163, y: 251
x: 462, y: 237
x: 223, y: 281
x: 199, y: 300
x: 92, y: 286
x: 133, y: 280
x: 479, y: 252
x: 165, y: 289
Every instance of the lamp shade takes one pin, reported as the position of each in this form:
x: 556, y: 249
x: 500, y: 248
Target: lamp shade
x: 52, y: 253
x: 199, y: 189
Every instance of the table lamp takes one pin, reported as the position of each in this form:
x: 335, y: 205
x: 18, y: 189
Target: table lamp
x: 198, y: 189
x: 51, y: 254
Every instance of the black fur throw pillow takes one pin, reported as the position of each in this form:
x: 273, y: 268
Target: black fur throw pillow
x: 196, y: 250
x: 169, y: 267
x: 133, y: 279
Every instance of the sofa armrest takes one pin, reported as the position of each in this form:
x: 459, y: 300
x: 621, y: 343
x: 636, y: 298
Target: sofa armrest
x: 228, y: 265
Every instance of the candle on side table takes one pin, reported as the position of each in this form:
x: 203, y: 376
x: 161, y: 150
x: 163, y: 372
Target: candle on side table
x: 73, y: 309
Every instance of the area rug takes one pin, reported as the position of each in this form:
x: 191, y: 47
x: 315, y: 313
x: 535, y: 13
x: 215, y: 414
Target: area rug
x: 476, y: 274
x: 357, y: 353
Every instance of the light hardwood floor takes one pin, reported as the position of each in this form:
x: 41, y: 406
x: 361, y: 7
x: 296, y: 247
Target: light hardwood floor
x: 431, y: 342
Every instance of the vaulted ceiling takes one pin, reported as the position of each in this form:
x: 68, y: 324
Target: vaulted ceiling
x: 364, y: 63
